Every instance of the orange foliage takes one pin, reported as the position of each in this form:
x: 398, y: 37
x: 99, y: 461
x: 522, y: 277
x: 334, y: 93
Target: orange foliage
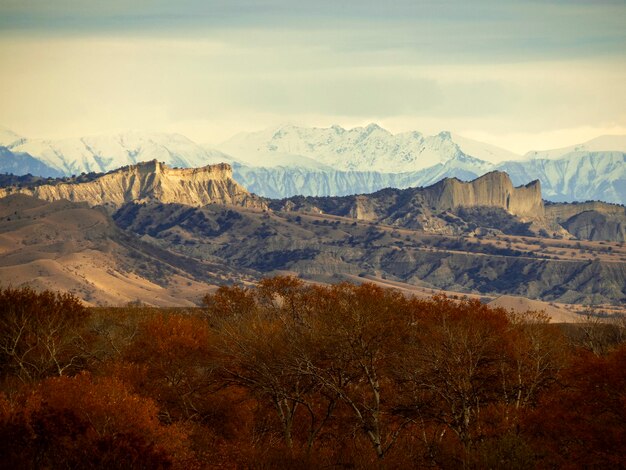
x: 77, y: 422
x: 174, y: 365
x: 293, y: 375
x: 355, y: 335
x: 582, y: 422
x: 229, y: 302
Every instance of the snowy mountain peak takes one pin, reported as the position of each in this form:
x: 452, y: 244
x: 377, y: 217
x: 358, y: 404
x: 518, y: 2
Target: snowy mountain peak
x: 372, y: 126
x: 334, y: 160
x: 102, y: 153
x: 369, y: 148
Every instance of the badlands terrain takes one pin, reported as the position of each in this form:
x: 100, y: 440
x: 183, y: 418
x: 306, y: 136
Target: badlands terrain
x: 166, y: 236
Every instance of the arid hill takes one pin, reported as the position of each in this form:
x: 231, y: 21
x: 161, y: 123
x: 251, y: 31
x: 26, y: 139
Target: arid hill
x: 449, y: 207
x: 520, y: 305
x: 329, y: 248
x: 493, y: 190
x: 489, y: 203
x: 72, y: 247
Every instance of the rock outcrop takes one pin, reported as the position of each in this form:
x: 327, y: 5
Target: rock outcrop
x: 494, y: 189
x: 449, y: 207
x: 596, y: 226
x: 561, y: 212
x: 363, y: 209
x: 147, y: 182
x: 592, y: 220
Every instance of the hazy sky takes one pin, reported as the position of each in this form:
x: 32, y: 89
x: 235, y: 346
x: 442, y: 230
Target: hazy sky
x: 520, y: 74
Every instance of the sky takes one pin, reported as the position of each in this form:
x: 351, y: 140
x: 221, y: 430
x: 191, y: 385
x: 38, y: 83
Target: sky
x: 523, y: 75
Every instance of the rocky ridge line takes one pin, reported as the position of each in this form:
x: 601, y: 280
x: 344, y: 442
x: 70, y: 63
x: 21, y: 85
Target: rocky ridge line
x: 494, y: 189
x: 150, y: 181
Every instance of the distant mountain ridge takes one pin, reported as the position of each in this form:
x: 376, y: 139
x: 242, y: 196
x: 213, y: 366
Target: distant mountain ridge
x: 369, y: 148
x: 441, y: 207
x: 285, y: 181
x: 154, y: 181
x: 578, y: 176
x: 18, y: 163
x: 289, y: 160
x: 108, y: 152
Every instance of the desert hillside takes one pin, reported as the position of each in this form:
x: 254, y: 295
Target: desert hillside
x: 330, y: 248
x: 70, y: 247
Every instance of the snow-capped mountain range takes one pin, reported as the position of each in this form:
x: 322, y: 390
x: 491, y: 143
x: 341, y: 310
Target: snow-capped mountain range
x: 290, y: 160
x: 369, y: 148
x: 107, y: 152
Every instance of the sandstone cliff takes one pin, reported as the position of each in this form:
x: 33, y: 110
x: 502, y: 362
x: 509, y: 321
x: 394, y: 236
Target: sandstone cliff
x: 593, y: 220
x: 363, y: 208
x: 150, y: 181
x: 494, y: 189
x: 592, y: 225
x: 560, y: 212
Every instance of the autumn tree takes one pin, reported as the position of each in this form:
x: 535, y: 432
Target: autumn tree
x: 353, y: 344
x: 581, y: 422
x: 452, y: 367
x: 228, y: 303
x: 285, y: 296
x: 537, y: 354
x: 40, y: 333
x: 76, y: 422
x: 112, y: 330
x: 599, y: 334
x: 174, y: 363
x: 258, y: 340
x: 288, y: 374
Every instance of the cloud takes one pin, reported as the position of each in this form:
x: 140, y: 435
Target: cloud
x: 506, y: 67
x: 444, y: 30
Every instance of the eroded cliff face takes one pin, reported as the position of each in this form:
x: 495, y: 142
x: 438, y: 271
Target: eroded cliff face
x: 494, y: 189
x: 151, y: 181
x: 363, y: 209
x: 593, y: 220
x: 449, y: 207
x: 564, y: 211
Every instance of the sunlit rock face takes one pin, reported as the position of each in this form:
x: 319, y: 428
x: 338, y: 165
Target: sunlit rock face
x: 151, y: 181
x: 494, y: 189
